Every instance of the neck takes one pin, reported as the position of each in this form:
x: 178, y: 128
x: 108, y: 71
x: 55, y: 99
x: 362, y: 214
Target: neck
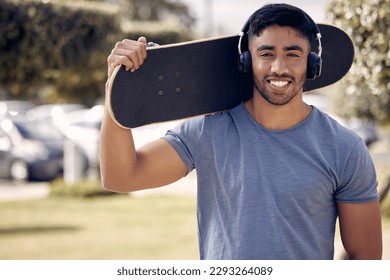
x: 278, y: 117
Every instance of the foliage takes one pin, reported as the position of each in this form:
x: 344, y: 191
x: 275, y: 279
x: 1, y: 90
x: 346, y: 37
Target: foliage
x: 386, y: 208
x: 81, y: 189
x: 56, y: 51
x: 156, y: 32
x: 159, y: 10
x: 63, y: 46
x: 366, y: 90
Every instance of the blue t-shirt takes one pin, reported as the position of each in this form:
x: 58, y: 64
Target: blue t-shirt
x: 265, y: 194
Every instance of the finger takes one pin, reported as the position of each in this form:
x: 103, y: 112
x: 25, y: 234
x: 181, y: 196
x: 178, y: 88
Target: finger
x: 143, y: 40
x: 124, y: 53
x: 136, y: 59
x: 118, y: 53
x: 114, y: 60
x: 136, y: 51
x: 129, y: 53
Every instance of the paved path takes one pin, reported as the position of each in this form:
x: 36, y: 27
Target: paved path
x: 10, y: 191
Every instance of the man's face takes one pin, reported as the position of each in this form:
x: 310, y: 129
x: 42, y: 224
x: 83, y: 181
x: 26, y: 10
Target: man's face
x: 279, y: 59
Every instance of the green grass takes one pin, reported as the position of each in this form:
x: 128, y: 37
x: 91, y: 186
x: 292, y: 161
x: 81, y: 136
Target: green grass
x: 104, y: 228
x: 386, y: 212
x: 116, y: 227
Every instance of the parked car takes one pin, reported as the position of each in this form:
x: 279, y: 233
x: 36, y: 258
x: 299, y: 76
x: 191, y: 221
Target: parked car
x: 83, y: 128
x: 23, y: 159
x: 54, y: 114
x: 14, y: 108
x: 41, y: 132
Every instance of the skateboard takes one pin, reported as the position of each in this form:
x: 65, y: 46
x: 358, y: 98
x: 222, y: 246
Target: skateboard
x: 200, y: 77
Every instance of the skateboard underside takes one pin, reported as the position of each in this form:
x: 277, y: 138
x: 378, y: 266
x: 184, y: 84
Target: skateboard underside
x: 201, y: 77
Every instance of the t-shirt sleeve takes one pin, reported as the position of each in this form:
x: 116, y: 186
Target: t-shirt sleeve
x: 358, y: 183
x: 185, y: 140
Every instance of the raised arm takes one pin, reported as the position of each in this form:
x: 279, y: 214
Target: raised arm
x: 360, y: 229
x: 123, y: 169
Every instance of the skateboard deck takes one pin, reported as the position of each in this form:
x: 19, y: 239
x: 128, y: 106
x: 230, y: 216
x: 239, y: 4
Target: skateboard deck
x: 200, y: 77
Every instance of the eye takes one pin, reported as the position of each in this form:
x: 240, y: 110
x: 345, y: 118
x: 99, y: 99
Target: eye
x: 266, y: 54
x: 293, y: 55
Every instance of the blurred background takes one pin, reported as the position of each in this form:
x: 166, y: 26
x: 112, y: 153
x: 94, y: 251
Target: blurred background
x: 52, y: 74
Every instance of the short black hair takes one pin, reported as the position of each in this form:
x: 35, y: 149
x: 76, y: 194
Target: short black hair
x: 282, y: 15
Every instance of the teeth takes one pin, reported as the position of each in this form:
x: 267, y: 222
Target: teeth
x: 279, y: 83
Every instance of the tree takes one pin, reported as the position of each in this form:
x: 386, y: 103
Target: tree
x: 60, y: 47
x: 159, y: 10
x: 56, y: 51
x: 365, y: 92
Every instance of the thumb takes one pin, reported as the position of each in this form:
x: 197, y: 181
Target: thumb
x: 142, y: 39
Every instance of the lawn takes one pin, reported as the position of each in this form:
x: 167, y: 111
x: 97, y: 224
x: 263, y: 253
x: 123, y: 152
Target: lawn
x: 115, y: 227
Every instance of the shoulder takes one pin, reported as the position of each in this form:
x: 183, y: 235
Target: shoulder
x: 211, y: 118
x: 210, y: 127
x: 333, y: 128
x: 334, y: 139
x: 226, y: 117
x: 350, y: 158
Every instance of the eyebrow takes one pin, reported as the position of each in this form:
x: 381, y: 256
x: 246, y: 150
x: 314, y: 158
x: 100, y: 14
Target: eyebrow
x: 287, y: 48
x: 294, y: 48
x: 265, y: 48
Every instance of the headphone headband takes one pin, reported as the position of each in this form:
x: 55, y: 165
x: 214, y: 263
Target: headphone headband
x: 316, y: 32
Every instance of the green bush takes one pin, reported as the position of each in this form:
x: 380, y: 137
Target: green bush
x: 365, y: 91
x: 59, y: 50
x: 386, y: 207
x: 56, y: 51
x: 81, y: 189
x: 61, y: 46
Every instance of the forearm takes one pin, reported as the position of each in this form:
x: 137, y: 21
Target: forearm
x: 117, y: 153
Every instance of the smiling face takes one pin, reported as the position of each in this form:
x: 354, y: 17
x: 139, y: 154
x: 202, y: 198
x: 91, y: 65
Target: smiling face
x: 279, y: 61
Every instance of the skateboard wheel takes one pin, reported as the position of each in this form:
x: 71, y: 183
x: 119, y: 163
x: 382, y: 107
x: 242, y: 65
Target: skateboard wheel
x: 151, y: 44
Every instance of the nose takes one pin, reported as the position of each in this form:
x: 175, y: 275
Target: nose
x: 279, y: 66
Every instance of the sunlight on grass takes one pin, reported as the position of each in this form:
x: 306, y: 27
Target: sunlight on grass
x: 119, y: 227
x: 104, y: 228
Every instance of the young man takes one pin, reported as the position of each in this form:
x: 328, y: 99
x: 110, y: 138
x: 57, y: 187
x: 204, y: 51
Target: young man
x: 273, y: 173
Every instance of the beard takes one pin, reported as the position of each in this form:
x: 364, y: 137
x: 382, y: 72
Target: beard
x: 278, y: 99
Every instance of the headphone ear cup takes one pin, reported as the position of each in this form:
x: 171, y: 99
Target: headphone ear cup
x: 245, y: 62
x: 314, y: 65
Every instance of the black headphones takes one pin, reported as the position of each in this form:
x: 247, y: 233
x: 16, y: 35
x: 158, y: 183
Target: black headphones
x: 314, y: 61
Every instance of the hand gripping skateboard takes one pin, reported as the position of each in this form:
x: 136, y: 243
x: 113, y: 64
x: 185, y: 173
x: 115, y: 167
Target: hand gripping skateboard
x: 201, y: 77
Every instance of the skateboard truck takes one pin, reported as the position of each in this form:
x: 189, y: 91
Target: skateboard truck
x: 151, y: 44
